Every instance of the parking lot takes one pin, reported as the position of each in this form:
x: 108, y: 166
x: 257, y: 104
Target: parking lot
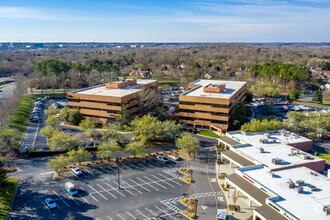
x: 147, y: 189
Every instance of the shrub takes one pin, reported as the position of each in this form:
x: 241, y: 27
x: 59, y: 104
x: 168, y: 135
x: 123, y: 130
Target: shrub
x: 184, y: 200
x: 192, y: 215
x: 193, y: 199
x: 189, y: 180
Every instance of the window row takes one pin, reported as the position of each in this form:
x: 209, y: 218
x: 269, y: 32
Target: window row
x: 203, y: 119
x: 198, y: 111
x: 200, y: 103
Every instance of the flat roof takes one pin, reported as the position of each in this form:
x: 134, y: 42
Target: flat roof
x: 305, y: 205
x: 101, y: 90
x: 231, y: 88
x: 239, y: 159
x: 278, y: 149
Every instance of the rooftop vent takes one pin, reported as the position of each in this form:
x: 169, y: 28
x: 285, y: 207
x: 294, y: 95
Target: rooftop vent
x: 299, y: 189
x: 300, y: 182
x: 290, y: 184
x: 303, y: 156
x: 271, y: 174
x: 311, y: 188
x: 277, y: 161
x: 326, y: 209
x: 267, y: 135
x: 313, y: 173
x: 264, y: 140
x: 261, y: 150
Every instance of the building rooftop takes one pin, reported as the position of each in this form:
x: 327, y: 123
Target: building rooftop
x: 101, y: 90
x: 231, y: 87
x: 277, y: 147
x: 305, y: 205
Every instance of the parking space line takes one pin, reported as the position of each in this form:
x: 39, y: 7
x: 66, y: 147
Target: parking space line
x: 155, y: 182
x: 115, y: 189
x: 125, y: 166
x: 121, y: 217
x: 147, y: 183
x: 90, y: 195
x: 139, y: 185
x: 109, y: 217
x: 61, y: 199
x: 131, y: 215
x: 83, y: 198
x: 111, y: 168
x: 169, y: 179
x: 104, y: 169
x: 165, y: 213
x: 71, y: 197
x: 106, y: 190
x: 97, y: 192
x: 124, y: 188
x: 131, y: 164
x: 46, y: 206
x: 89, y: 172
x: 130, y: 186
x: 94, y: 169
x: 151, y: 211
x: 163, y: 181
x: 151, y: 163
x: 142, y: 214
x: 146, y: 163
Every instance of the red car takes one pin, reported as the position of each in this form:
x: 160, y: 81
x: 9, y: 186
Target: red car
x: 326, y: 136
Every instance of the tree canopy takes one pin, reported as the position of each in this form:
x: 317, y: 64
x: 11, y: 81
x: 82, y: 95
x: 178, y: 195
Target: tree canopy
x: 265, y: 89
x: 256, y: 126
x: 136, y: 148
x: 188, y: 143
x: 79, y: 155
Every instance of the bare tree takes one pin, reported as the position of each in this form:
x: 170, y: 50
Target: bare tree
x: 148, y: 100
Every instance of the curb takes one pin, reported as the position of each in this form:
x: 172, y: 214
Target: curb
x: 11, y: 205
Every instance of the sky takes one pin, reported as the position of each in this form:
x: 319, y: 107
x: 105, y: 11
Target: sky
x: 165, y: 21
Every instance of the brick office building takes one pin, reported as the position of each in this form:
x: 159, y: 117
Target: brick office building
x: 208, y: 104
x: 104, y: 102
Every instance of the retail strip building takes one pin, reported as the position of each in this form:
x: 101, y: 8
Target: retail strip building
x: 279, y: 180
x: 104, y: 102
x: 208, y: 104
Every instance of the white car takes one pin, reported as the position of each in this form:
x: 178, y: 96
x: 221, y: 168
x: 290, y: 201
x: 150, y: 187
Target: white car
x: 162, y: 158
x: 51, y: 203
x: 76, y: 171
x: 173, y: 157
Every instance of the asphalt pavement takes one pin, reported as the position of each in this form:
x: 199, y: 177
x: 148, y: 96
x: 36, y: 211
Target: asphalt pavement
x: 6, y: 92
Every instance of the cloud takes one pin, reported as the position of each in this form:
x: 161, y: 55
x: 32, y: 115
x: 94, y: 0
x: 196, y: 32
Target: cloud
x: 23, y: 13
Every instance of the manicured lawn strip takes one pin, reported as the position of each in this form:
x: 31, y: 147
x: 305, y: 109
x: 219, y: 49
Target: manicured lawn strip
x: 2, y: 86
x: 325, y: 156
x: 208, y: 133
x: 7, y: 192
x: 20, y: 120
x: 312, y: 104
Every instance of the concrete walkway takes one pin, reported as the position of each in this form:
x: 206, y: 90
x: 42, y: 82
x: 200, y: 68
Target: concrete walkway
x: 242, y: 201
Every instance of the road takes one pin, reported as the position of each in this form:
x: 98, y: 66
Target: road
x: 6, y: 92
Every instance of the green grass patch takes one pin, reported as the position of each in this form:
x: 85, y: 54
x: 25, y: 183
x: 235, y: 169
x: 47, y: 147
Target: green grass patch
x: 7, y: 192
x: 325, y: 156
x: 313, y: 104
x: 208, y: 133
x: 8, y: 84
x: 20, y: 120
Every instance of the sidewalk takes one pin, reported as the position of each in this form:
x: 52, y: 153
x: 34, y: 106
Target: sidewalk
x: 242, y: 201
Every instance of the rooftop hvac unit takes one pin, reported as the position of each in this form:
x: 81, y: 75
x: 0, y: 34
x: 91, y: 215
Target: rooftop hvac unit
x: 263, y: 141
x: 271, y: 174
x: 261, y: 150
x: 303, y: 156
x: 300, y: 182
x: 326, y: 209
x: 267, y: 135
x: 299, y: 189
x: 277, y: 161
x: 311, y: 188
x: 290, y: 184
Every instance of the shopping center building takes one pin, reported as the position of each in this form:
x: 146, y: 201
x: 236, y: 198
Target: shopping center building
x: 104, y: 102
x: 279, y: 180
x: 208, y: 104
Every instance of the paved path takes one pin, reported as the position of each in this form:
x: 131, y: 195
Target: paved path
x: 6, y: 92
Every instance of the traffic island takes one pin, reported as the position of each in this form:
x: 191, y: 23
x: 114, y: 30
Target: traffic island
x: 186, y: 155
x: 192, y: 205
x: 187, y: 175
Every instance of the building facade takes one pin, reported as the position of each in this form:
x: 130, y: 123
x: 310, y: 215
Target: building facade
x: 104, y: 103
x: 208, y: 104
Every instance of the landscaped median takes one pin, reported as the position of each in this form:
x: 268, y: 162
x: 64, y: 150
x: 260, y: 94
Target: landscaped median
x: 7, y: 192
x: 187, y: 175
x: 191, y: 203
x: 208, y: 133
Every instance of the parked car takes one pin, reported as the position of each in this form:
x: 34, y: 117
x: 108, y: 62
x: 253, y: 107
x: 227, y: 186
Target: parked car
x: 50, y: 203
x: 76, y: 171
x: 221, y: 214
x: 44, y: 148
x: 23, y: 150
x: 173, y: 157
x: 90, y: 144
x: 162, y: 158
x: 159, y: 218
x: 326, y: 136
x: 71, y: 189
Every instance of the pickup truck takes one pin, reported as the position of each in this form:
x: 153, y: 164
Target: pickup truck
x: 71, y: 189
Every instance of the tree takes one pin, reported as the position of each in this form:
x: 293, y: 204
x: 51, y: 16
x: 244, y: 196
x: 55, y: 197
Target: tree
x: 62, y: 141
x: 111, y: 132
x: 52, y: 111
x: 238, y: 115
x: 75, y: 117
x: 195, y: 65
x: 145, y: 127
x: 52, y: 121
x: 79, y: 155
x: 58, y: 163
x: 188, y: 143
x: 125, y: 116
x: 3, y: 173
x: 148, y: 100
x: 88, y: 126
x: 317, y: 96
x: 49, y: 131
x: 265, y: 89
x: 249, y: 96
x: 107, y: 150
x: 293, y: 94
x: 256, y: 126
x: 7, y: 142
x: 65, y: 114
x: 137, y: 148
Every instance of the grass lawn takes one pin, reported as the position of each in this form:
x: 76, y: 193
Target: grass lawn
x: 20, y: 120
x: 7, y: 192
x: 6, y: 85
x: 312, y: 104
x: 208, y: 133
x: 325, y: 156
